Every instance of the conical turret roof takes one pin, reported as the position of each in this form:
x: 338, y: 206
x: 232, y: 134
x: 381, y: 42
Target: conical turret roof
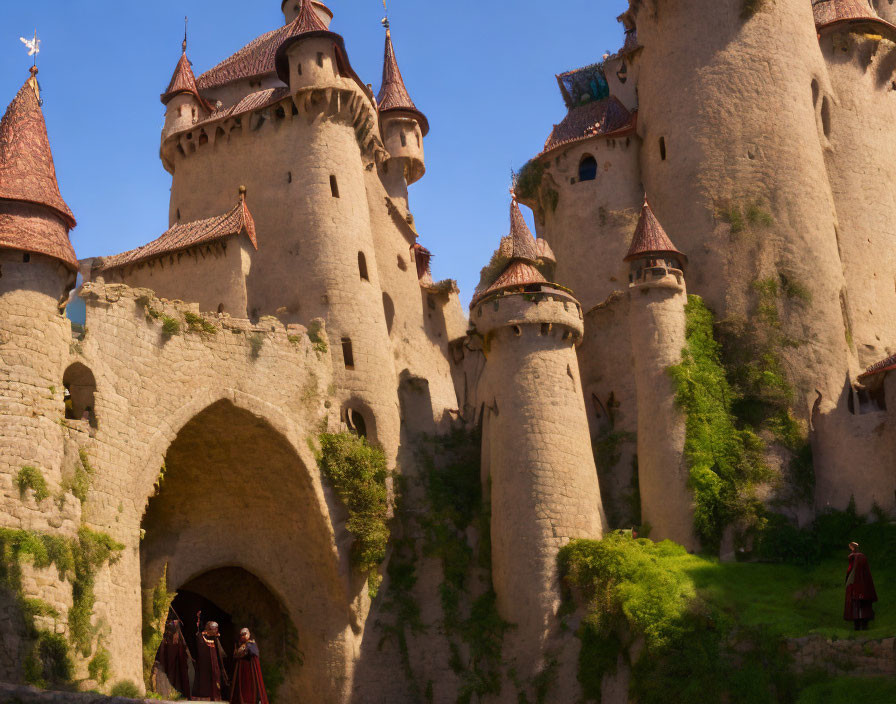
x: 307, y: 23
x: 28, y: 175
x: 519, y: 246
x: 828, y: 12
x: 27, y: 171
x: 183, y: 81
x: 393, y: 95
x: 650, y: 237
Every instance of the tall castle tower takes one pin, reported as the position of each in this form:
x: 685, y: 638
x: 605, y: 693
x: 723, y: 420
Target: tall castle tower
x: 657, y: 329
x: 37, y: 271
x: 403, y: 125
x: 536, y: 445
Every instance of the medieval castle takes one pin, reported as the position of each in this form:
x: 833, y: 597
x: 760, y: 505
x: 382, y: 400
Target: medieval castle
x: 733, y: 150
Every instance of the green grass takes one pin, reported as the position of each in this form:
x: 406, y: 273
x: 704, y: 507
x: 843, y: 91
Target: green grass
x: 713, y: 631
x: 848, y: 690
x: 32, y: 478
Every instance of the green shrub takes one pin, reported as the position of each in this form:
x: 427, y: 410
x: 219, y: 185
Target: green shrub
x: 750, y: 8
x: 847, y: 690
x: 91, y: 551
x: 125, y: 688
x: 316, y: 335
x: 32, y: 478
x: 528, y: 180
x: 357, y: 472
x: 155, y: 606
x: 48, y: 663
x: 199, y: 324
x: 170, y: 326
x: 256, y: 343
x: 99, y: 667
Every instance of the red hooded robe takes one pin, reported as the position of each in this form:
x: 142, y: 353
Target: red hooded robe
x: 860, y: 592
x: 248, y: 685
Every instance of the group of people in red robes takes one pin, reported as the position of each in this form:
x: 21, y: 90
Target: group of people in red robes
x: 210, y: 681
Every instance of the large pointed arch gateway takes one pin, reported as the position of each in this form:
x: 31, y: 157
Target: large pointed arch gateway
x: 240, y: 526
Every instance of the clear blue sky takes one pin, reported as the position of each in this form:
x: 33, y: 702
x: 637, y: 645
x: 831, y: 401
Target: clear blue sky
x: 483, y: 72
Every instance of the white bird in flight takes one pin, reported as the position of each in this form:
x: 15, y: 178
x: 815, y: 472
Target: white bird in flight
x: 32, y: 44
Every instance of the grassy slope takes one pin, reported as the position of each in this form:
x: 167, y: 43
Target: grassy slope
x: 849, y: 690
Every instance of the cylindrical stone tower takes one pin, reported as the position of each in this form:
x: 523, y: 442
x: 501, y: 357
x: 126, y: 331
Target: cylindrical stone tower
x: 657, y: 328
x: 544, y: 488
x: 38, y: 267
x: 403, y: 125
x: 184, y: 106
x: 706, y: 63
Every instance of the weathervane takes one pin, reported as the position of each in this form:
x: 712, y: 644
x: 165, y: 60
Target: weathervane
x: 33, y: 46
x: 385, y: 20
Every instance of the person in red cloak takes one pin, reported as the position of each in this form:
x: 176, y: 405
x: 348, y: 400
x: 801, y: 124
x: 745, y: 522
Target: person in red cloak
x: 171, y: 672
x: 211, y: 677
x: 248, y: 685
x: 860, y: 593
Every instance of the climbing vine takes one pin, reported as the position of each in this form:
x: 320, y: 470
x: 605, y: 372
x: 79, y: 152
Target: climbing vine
x: 357, y: 471
x: 450, y: 482
x: 47, y: 660
x: 726, y: 461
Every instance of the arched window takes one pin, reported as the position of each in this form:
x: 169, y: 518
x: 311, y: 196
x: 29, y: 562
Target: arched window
x: 587, y: 168
x: 362, y: 266
x: 80, y: 389
x: 355, y: 422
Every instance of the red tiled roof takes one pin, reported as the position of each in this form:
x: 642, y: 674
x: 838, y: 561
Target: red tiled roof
x: 650, y: 237
x: 828, y: 12
x: 253, y: 101
x: 521, y: 236
x: 183, y: 81
x: 258, y: 57
x: 394, y: 94
x: 31, y: 229
x: 190, y: 234
x: 520, y: 247
x: 27, y: 172
x: 885, y: 365
x: 599, y: 117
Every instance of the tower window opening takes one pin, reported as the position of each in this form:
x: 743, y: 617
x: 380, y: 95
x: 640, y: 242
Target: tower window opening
x: 418, y: 139
x: 356, y: 423
x: 299, y: 69
x: 404, y: 139
x: 662, y: 148
x: 180, y: 110
x: 289, y: 176
x: 220, y: 308
x: 587, y: 168
x: 320, y: 59
x: 79, y: 387
x: 177, y: 214
x: 517, y: 330
x: 26, y: 257
x: 545, y: 329
x: 334, y: 187
x: 347, y: 355
x: 362, y: 266
x: 389, y: 311
x: 826, y: 116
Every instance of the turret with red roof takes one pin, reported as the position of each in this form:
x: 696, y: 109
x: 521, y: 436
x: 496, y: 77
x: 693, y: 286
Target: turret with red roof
x: 403, y: 126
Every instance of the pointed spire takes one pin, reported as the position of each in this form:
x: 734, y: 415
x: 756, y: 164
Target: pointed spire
x: 394, y: 94
x: 519, y: 246
x: 650, y: 237
x: 183, y: 80
x: 27, y: 171
x: 521, y: 238
x: 307, y: 22
x: 28, y: 175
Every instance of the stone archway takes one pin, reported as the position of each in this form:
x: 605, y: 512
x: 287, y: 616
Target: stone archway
x: 236, y: 504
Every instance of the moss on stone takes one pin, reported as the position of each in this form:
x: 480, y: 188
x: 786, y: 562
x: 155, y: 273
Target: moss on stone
x: 99, y: 668
x: 48, y: 662
x: 358, y: 471
x: 527, y: 181
x: 256, y: 343
x: 197, y: 323
x: 317, y: 337
x: 725, y: 461
x: 155, y: 605
x: 32, y: 478
x: 91, y: 551
x: 78, y: 485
